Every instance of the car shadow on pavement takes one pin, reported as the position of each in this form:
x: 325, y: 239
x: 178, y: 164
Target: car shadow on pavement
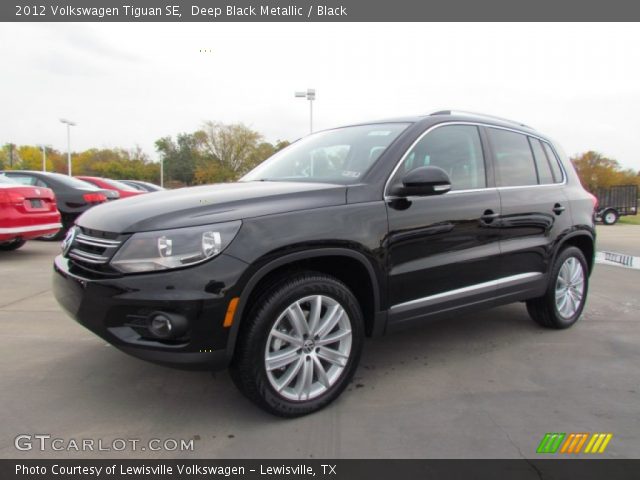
x: 135, y: 389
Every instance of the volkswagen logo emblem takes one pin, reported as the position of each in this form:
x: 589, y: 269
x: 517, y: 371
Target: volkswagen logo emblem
x: 68, y: 240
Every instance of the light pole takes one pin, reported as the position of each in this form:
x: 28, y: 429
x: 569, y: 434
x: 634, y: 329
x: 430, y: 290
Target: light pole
x: 310, y: 95
x: 44, y: 157
x: 69, y: 124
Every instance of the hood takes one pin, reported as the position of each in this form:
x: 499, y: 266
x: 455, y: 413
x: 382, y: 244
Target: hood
x: 208, y: 204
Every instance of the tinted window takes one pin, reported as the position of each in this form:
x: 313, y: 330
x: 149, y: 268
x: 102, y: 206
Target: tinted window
x: 454, y: 148
x: 71, y: 182
x: 514, y: 160
x: 544, y: 171
x: 553, y: 161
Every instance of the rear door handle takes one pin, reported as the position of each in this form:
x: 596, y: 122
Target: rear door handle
x: 489, y: 216
x: 558, y: 209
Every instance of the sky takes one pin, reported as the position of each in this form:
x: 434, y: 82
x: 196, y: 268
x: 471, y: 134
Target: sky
x: 128, y: 84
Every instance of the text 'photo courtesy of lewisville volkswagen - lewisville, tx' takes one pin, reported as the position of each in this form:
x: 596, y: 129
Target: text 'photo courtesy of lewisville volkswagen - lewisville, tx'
x: 318, y: 240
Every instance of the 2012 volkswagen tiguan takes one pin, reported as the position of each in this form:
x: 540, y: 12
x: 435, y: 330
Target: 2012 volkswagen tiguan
x: 350, y: 232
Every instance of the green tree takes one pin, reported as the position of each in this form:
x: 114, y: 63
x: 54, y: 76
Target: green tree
x: 233, y: 146
x: 596, y: 171
x: 180, y: 156
x: 229, y: 151
x: 9, y: 157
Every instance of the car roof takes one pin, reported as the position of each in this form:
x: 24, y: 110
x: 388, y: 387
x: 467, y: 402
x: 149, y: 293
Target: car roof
x: 442, y: 116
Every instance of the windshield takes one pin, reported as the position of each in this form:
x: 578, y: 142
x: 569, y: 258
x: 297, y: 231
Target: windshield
x: 342, y: 155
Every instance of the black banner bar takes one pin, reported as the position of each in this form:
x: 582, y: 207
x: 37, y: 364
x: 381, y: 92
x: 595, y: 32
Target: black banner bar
x: 315, y: 11
x: 573, y: 469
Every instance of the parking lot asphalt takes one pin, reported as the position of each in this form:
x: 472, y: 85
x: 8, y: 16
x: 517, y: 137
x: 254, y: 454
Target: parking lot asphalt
x: 484, y: 385
x: 619, y: 238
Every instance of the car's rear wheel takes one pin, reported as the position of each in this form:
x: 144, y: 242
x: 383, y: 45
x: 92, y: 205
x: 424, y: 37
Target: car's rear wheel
x: 14, y: 244
x: 300, y: 346
x: 564, y: 300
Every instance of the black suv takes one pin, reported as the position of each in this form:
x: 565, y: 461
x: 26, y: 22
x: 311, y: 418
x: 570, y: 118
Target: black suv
x: 347, y: 233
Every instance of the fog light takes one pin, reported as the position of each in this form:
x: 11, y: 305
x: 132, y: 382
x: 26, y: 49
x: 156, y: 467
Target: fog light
x: 160, y: 326
x: 166, y: 325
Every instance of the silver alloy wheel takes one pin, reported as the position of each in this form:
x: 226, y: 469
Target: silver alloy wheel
x: 308, y: 347
x: 569, y: 287
x: 610, y: 217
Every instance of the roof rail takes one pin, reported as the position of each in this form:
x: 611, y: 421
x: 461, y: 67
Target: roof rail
x: 479, y: 115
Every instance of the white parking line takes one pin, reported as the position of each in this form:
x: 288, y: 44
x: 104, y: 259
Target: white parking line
x: 618, y: 260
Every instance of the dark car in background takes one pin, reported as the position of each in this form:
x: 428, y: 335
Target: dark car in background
x: 73, y: 196
x: 25, y: 212
x: 123, y: 189
x: 143, y: 186
x: 350, y: 232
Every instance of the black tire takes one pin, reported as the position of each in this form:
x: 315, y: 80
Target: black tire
x: 610, y: 217
x: 248, y: 369
x: 54, y: 237
x: 544, y: 309
x: 14, y: 244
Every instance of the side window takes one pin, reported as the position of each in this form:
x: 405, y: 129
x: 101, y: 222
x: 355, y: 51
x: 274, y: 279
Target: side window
x: 514, y: 160
x: 23, y: 179
x: 544, y: 170
x: 454, y: 148
x: 553, y: 161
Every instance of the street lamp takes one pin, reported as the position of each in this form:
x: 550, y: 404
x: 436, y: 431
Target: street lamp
x: 310, y: 95
x: 44, y: 156
x: 69, y: 124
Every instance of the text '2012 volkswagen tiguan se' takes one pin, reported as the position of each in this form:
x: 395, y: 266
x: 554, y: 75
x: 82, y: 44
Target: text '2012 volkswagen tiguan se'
x: 347, y: 233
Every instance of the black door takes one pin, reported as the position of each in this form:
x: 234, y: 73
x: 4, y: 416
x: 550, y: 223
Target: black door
x: 534, y: 209
x: 443, y: 249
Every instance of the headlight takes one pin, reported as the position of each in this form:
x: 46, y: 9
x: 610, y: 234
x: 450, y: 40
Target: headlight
x: 181, y: 247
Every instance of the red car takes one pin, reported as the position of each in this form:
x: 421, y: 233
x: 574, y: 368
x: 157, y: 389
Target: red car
x: 122, y: 188
x: 25, y: 212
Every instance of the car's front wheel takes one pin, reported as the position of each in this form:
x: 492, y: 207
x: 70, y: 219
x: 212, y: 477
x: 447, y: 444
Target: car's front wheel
x: 300, y: 346
x: 566, y: 295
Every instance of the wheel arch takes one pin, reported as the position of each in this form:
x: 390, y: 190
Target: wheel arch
x: 323, y: 260
x: 583, y: 240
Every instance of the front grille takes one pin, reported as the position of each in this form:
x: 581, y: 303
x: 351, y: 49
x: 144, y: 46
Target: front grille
x: 94, y: 251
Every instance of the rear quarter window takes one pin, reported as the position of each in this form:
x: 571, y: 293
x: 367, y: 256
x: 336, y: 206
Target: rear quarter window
x: 553, y: 162
x: 542, y: 164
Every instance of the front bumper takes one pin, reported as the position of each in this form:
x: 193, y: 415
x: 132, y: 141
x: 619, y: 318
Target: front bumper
x: 108, y: 305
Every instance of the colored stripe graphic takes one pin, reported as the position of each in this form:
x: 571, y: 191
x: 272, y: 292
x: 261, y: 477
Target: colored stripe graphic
x: 574, y: 443
x: 550, y: 442
x: 598, y: 443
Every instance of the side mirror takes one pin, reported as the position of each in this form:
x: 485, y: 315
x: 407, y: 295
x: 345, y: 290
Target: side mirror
x: 422, y: 181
